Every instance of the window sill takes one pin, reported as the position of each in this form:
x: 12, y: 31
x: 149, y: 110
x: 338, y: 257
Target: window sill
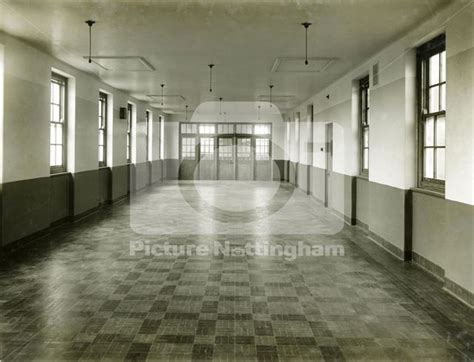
x: 438, y: 194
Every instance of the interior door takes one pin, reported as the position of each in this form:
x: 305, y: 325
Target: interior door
x: 262, y: 159
x: 207, y: 167
x: 244, y: 158
x: 188, y: 162
x: 329, y: 157
x: 226, y: 158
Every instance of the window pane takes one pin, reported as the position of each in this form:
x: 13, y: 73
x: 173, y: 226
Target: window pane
x: 434, y: 99
x: 365, y: 163
x: 55, y: 113
x: 225, y: 149
x: 440, y: 163
x: 207, y: 128
x: 52, y: 135
x: 262, y: 129
x: 101, y: 137
x: 443, y: 67
x: 442, y: 100
x: 59, y: 155
x: 428, y: 163
x: 101, y: 154
x: 207, y: 148
x: 434, y: 69
x: 429, y: 132
x: 243, y: 149
x: 55, y: 93
x: 440, y: 131
x: 59, y: 134
x: 52, y: 155
x: 366, y: 137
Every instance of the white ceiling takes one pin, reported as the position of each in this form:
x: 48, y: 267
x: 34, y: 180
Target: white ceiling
x: 243, y: 38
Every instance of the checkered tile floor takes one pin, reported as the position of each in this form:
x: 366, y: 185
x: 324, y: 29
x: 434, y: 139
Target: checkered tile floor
x: 78, y: 294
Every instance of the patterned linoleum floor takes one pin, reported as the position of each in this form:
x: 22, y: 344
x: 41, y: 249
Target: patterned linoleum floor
x: 79, y: 294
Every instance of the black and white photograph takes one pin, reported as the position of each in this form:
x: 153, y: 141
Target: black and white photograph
x: 237, y: 180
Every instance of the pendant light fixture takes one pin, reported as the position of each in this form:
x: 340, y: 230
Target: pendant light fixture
x: 258, y: 112
x: 220, y: 106
x: 90, y: 23
x: 306, y: 26
x: 210, y: 76
x: 271, y: 94
x: 186, y: 111
x: 162, y: 95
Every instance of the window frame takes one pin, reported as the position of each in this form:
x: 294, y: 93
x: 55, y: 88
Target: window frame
x: 63, y: 81
x: 266, y: 147
x: 103, y: 102
x: 149, y: 135
x: 161, y: 134
x: 424, y: 52
x: 364, y: 84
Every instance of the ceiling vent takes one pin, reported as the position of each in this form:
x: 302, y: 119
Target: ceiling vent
x: 122, y: 63
x: 297, y: 65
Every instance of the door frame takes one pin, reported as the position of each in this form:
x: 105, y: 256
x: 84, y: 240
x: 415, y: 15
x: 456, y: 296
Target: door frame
x: 329, y: 163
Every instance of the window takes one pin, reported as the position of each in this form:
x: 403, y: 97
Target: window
x: 262, y: 149
x: 207, y: 148
x: 102, y: 129
x: 129, y: 132
x: 364, y: 124
x: 243, y: 149
x: 149, y: 135
x: 188, y: 128
x: 262, y: 129
x: 188, y: 148
x: 432, y: 110
x: 243, y: 128
x: 207, y: 129
x: 162, y: 138
x: 225, y: 128
x: 225, y: 149
x: 58, y: 123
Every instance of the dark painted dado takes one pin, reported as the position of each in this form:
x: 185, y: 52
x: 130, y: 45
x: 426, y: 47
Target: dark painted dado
x: 142, y: 175
x: 105, y: 185
x: 30, y: 207
x: 302, y: 177
x: 85, y: 192
x: 293, y: 173
x: 442, y: 240
x: 25, y: 208
x: 170, y: 169
x: 278, y: 170
x: 156, y: 173
x: 60, y: 197
x: 385, y: 212
x: 318, y: 186
x: 120, y: 181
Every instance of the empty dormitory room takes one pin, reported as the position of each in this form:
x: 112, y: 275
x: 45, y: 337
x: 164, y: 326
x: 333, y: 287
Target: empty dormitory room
x: 210, y: 180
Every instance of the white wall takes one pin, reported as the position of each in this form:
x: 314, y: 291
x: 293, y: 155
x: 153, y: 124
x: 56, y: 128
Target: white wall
x: 27, y: 115
x: 460, y: 108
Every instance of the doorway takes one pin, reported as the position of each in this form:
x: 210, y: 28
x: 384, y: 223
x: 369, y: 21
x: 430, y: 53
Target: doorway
x: 244, y: 158
x: 329, y: 158
x: 226, y: 158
